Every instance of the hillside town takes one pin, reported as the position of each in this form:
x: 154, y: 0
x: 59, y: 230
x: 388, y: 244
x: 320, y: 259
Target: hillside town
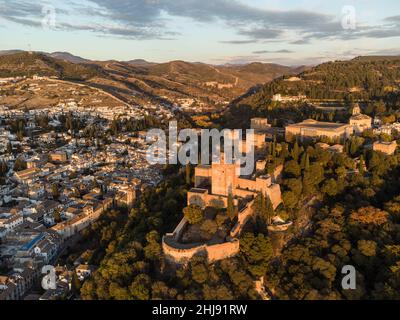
x: 55, y: 182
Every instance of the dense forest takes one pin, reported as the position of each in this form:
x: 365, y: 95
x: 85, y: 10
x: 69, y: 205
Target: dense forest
x: 356, y: 223
x: 358, y: 79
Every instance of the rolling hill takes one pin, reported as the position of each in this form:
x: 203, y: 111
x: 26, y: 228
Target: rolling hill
x: 139, y: 81
x: 68, y: 57
x: 177, y: 80
x: 29, y: 64
x: 363, y: 78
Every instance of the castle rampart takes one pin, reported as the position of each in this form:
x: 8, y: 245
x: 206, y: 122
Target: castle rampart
x: 181, y: 253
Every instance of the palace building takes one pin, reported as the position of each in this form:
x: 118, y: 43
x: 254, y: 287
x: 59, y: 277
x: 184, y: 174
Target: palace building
x: 312, y: 129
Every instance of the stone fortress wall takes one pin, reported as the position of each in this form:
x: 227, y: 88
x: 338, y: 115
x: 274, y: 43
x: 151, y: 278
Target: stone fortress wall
x: 180, y: 253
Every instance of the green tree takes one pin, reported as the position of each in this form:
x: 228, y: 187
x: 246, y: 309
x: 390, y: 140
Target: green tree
x: 295, y: 185
x: 140, y: 287
x: 199, y: 271
x: 361, y: 165
x: 330, y: 187
x: 295, y: 153
x: 305, y: 161
x: 257, y: 251
x: 20, y: 164
x: 208, y: 228
x: 231, y: 208
x: 379, y: 107
x: 54, y: 191
x: 193, y: 214
x: 292, y: 169
x: 75, y: 284
x: 263, y: 208
x: 57, y: 216
x: 3, y: 169
x: 290, y: 199
x: 9, y: 148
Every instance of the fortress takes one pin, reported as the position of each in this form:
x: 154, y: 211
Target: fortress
x: 213, y: 185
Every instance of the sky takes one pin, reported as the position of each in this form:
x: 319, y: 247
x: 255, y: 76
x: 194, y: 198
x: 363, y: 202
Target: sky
x: 290, y: 32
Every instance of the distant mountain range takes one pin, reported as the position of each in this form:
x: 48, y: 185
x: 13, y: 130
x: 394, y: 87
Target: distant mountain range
x: 140, y: 81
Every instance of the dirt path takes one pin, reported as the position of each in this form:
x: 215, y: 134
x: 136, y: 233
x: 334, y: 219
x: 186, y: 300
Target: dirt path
x: 226, y: 74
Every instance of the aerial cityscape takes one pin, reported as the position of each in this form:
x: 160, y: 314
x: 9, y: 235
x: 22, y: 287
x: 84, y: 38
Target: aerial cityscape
x: 259, y: 162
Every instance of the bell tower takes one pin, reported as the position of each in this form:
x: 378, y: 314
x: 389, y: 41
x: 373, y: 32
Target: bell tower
x: 356, y: 110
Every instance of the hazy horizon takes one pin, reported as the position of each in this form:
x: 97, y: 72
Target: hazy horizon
x: 237, y: 63
x: 297, y: 32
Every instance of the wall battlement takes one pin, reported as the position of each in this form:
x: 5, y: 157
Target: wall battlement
x: 179, y: 253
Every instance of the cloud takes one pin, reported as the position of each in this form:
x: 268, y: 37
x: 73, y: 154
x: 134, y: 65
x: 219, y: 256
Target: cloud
x: 273, y: 51
x: 19, y: 8
x: 239, y: 41
x: 152, y: 19
x: 386, y: 52
x: 384, y: 32
x: 31, y: 15
x: 25, y: 21
x: 250, y: 22
x: 204, y: 11
x: 301, y: 41
x: 261, y: 33
x: 124, y: 32
x: 395, y: 19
